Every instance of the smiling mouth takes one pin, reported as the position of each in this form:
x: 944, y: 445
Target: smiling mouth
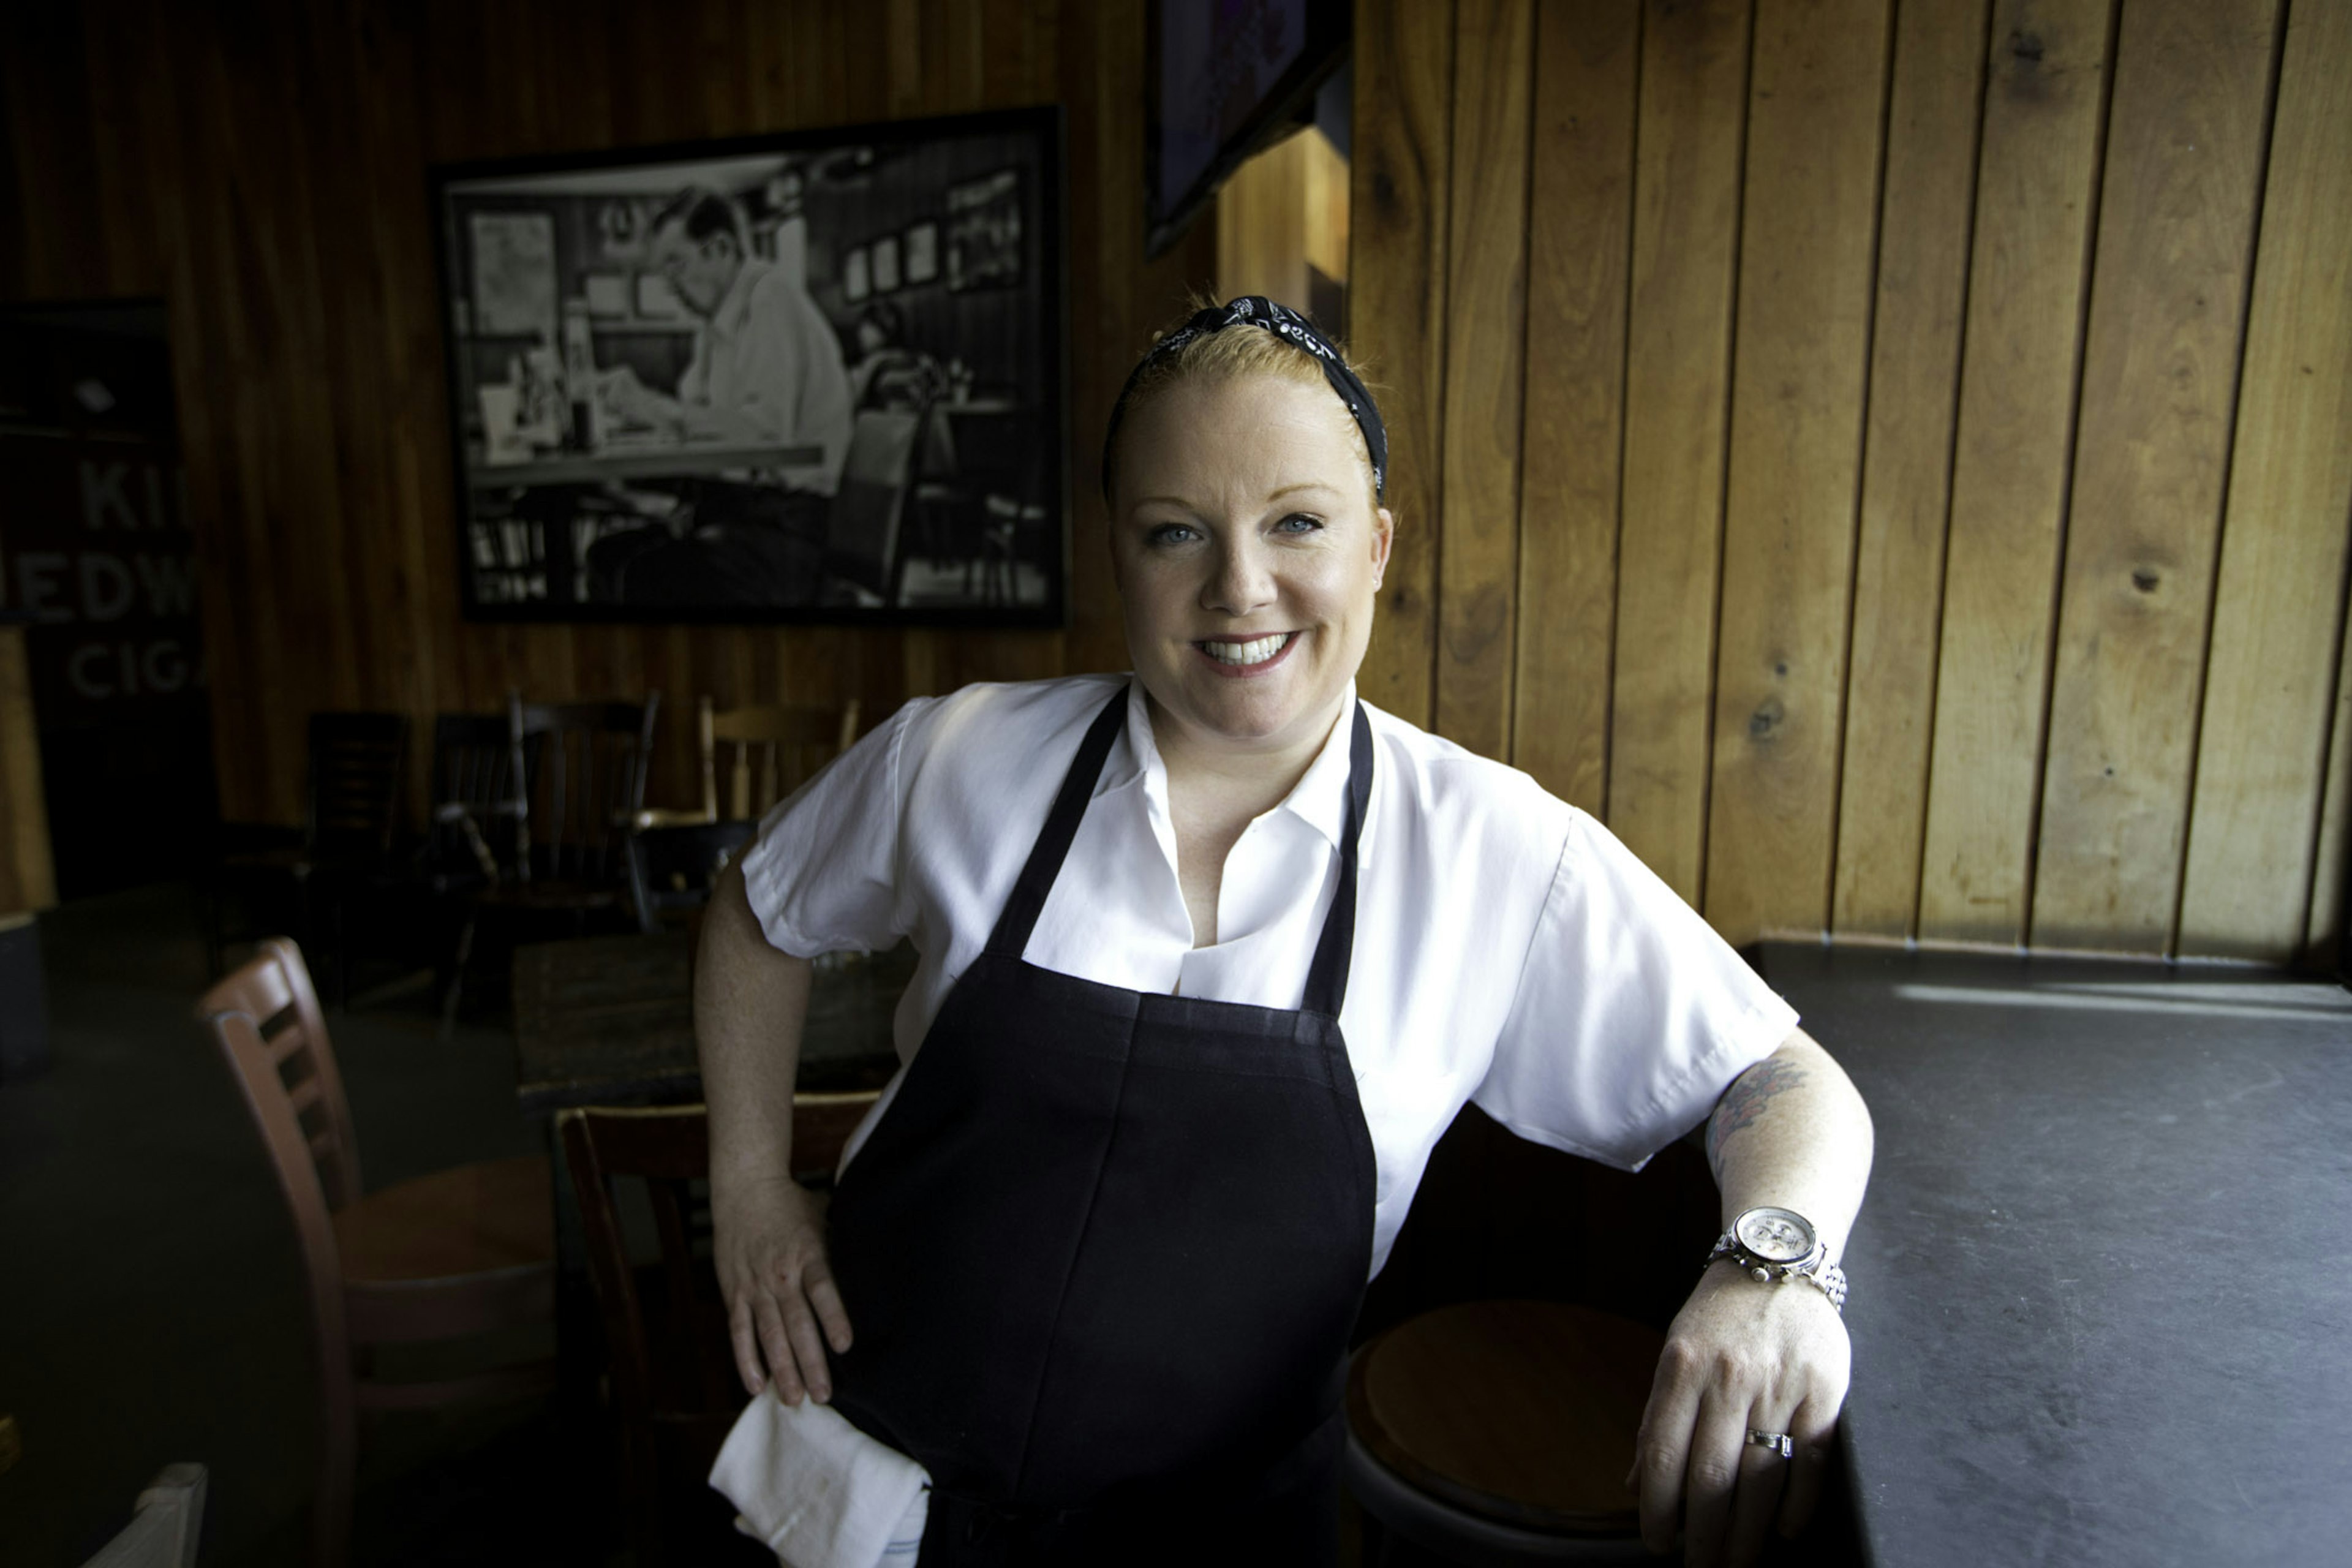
x: 1243, y: 658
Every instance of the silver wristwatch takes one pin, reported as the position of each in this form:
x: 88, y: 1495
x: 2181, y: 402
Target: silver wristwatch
x: 1773, y: 1247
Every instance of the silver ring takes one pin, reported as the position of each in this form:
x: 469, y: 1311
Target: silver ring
x: 1778, y: 1442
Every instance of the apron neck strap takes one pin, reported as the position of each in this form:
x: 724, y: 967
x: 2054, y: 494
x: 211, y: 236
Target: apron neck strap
x: 1010, y: 937
x: 1327, y: 977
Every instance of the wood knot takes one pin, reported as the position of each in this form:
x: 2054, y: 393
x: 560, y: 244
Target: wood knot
x: 2026, y: 46
x: 1766, y: 719
x: 2144, y: 579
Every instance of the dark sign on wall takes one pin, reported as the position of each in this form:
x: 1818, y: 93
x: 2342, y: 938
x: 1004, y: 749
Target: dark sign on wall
x: 97, y: 560
x: 95, y: 554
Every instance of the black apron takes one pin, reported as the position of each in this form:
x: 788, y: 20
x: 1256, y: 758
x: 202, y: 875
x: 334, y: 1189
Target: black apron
x: 1103, y: 1252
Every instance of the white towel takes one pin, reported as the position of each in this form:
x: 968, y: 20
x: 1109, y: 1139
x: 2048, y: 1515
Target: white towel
x: 816, y: 1490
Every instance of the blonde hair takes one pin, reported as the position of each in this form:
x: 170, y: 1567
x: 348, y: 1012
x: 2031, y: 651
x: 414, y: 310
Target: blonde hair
x: 1228, y: 355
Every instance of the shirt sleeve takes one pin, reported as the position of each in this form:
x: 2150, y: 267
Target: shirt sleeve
x: 1632, y: 1016
x: 823, y: 875
x: 795, y: 389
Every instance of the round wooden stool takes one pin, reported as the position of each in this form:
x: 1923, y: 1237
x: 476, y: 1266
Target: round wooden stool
x: 1500, y: 1433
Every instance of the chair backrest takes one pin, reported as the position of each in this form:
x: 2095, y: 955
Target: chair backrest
x: 165, y: 1524
x: 264, y: 1017
x: 585, y: 765
x: 671, y: 869
x: 355, y: 780
x: 862, y: 530
x: 788, y: 742
x: 684, y: 1376
x: 472, y: 831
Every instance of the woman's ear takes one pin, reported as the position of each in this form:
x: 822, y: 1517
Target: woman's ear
x: 1384, y: 536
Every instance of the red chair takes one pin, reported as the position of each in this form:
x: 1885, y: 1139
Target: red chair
x: 469, y: 1250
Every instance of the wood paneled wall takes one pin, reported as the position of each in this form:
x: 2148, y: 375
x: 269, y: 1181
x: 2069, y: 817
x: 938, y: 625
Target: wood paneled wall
x: 261, y: 167
x: 1893, y: 462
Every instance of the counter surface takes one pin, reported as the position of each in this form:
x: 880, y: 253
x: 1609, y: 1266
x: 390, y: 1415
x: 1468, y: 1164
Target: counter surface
x: 2102, y: 1307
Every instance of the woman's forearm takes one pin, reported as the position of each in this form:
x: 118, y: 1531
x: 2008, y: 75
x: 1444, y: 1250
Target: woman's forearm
x: 1791, y: 1133
x: 751, y: 1001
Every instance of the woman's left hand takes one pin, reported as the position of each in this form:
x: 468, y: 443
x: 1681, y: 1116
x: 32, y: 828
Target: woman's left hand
x: 1741, y: 1355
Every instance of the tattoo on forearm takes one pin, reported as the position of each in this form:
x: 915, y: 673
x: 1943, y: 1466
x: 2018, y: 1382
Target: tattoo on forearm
x: 1744, y: 1100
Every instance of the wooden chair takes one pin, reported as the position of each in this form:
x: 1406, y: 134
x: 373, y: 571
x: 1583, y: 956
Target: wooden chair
x: 165, y: 1523
x: 863, y: 552
x: 789, y: 744
x: 1499, y: 1432
x: 675, y: 1391
x: 462, y: 1251
x: 553, y: 839
x: 671, y: 869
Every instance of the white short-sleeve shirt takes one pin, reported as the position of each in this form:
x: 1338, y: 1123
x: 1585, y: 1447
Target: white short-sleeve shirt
x: 1508, y: 950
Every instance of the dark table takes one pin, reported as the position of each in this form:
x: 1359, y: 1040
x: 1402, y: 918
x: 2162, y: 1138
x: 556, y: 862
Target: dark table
x: 609, y: 1020
x: 635, y: 460
x: 2102, y: 1306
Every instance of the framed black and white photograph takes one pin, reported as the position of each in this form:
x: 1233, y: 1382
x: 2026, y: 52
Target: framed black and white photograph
x: 813, y: 375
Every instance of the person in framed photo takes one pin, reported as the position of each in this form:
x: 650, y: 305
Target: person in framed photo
x: 767, y: 369
x: 767, y: 372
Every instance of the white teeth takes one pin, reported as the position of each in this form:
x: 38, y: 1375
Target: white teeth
x: 1256, y: 652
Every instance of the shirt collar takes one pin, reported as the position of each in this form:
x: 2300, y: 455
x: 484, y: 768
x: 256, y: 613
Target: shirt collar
x: 736, y: 308
x: 1320, y: 799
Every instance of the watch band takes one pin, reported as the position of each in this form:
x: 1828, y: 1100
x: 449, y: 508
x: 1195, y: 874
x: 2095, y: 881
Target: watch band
x: 1829, y: 1278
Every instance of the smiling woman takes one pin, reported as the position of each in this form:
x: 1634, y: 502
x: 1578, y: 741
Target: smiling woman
x: 1209, y: 956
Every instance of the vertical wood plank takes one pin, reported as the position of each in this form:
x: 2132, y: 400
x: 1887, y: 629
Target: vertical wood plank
x: 2331, y: 863
x: 27, y: 877
x: 1486, y: 352
x: 1807, y: 242
x: 1936, y: 97
x: 2037, y: 186
x: 1580, y: 237
x: 2262, y: 749
x: 1677, y: 387
x: 2160, y: 379
x: 1400, y: 191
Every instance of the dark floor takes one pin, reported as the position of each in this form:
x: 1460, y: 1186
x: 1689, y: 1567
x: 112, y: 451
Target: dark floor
x: 151, y: 1294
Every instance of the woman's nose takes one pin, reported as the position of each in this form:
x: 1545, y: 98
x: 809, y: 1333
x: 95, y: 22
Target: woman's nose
x: 1242, y: 579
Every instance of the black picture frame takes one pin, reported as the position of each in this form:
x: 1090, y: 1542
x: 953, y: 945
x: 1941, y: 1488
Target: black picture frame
x: 669, y: 490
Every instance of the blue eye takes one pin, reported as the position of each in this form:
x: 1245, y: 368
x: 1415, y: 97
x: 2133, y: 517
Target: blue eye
x: 1311, y: 521
x: 1167, y: 533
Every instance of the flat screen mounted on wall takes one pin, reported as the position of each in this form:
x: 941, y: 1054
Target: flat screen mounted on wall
x: 1226, y: 79
x: 817, y: 375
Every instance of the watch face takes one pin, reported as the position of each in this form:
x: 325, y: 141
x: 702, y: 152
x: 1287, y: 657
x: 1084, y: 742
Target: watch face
x: 1776, y: 1236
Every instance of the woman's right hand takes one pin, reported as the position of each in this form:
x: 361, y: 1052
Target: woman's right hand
x: 769, y: 1242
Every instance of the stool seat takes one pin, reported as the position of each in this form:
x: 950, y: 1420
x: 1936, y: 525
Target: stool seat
x: 1503, y: 1426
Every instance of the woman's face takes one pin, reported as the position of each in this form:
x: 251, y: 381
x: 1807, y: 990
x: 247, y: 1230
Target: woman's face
x: 1246, y: 548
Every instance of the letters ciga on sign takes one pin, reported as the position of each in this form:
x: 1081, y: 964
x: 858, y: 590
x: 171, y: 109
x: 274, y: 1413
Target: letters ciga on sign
x: 111, y: 596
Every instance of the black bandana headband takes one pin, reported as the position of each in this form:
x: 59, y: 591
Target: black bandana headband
x: 1256, y: 310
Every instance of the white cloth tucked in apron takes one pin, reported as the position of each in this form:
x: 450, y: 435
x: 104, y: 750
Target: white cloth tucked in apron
x: 819, y: 1492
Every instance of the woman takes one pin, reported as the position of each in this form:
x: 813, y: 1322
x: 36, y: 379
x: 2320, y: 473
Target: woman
x: 1209, y: 959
